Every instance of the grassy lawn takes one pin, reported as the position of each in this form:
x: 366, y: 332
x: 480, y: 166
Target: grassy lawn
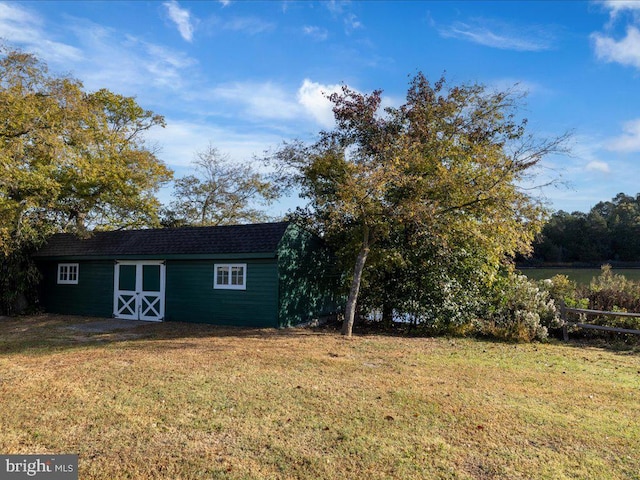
x: 180, y: 401
x: 582, y: 276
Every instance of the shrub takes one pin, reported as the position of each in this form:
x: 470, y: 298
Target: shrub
x: 560, y: 289
x: 519, y: 310
x: 612, y: 293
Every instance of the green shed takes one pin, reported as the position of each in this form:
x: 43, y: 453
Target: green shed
x: 259, y: 275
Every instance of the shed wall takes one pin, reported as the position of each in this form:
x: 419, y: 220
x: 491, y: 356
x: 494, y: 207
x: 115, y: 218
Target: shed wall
x: 92, y: 296
x: 190, y: 296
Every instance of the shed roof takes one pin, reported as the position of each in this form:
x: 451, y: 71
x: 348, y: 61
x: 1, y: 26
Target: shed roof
x: 228, y: 239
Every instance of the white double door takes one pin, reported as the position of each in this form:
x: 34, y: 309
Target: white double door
x: 139, y: 290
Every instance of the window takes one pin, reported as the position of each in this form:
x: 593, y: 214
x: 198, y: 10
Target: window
x: 68, y: 273
x: 231, y: 276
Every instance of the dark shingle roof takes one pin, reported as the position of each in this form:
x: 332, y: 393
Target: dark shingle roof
x: 231, y: 239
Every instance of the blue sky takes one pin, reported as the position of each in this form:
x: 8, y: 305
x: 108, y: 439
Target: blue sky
x: 246, y: 75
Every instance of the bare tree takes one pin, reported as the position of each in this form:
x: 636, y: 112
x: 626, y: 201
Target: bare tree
x: 220, y: 193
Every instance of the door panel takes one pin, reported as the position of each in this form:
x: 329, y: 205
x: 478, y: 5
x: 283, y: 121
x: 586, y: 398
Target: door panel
x: 126, y: 307
x: 150, y: 307
x: 127, y: 281
x: 151, y: 278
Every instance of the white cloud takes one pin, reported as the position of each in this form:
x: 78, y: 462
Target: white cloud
x: 352, y: 22
x: 17, y: 23
x: 180, y: 140
x: 336, y: 7
x: 615, y: 7
x: 625, y: 51
x: 127, y: 64
x: 250, y: 25
x: 313, y: 98
x: 21, y: 27
x: 518, y: 87
x: 316, y: 33
x: 102, y: 57
x: 597, y: 166
x: 261, y: 100
x: 499, y: 35
x: 182, y: 18
x: 586, y: 150
x: 269, y: 101
x: 339, y: 11
x: 629, y: 141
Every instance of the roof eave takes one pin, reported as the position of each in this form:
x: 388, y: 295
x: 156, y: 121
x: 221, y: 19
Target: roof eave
x: 180, y: 256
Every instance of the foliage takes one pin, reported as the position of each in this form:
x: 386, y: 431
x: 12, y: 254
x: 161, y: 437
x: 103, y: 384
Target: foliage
x: 610, y: 231
x: 446, y: 165
x: 70, y: 161
x: 520, y: 310
x: 435, y: 288
x: 607, y: 292
x: 221, y: 193
x: 607, y: 280
x: 18, y: 279
x: 610, y: 292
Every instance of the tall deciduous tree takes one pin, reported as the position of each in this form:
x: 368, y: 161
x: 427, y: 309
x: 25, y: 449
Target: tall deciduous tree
x: 447, y: 165
x: 221, y: 193
x: 69, y: 160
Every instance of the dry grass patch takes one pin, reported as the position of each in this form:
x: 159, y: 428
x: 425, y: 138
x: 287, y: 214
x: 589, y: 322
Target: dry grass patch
x: 181, y: 401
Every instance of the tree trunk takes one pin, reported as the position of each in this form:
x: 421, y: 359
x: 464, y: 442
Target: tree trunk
x: 387, y: 315
x: 350, y: 311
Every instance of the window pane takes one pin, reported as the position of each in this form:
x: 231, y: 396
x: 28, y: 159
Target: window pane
x: 151, y: 278
x: 127, y: 278
x: 237, y: 275
x: 223, y: 276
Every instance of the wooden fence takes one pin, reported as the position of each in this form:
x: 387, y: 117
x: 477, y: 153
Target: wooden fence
x: 566, y: 322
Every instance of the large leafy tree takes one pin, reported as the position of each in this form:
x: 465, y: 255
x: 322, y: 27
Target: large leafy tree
x: 70, y: 160
x: 221, y: 192
x: 443, y: 171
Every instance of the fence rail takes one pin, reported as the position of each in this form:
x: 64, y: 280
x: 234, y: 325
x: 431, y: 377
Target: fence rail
x: 565, y: 331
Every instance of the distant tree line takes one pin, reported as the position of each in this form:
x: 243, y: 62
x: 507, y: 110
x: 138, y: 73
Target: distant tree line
x: 610, y: 231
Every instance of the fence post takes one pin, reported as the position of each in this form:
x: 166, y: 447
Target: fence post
x: 563, y: 317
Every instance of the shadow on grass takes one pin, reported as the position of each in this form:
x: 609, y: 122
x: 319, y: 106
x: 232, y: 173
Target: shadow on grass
x: 46, y: 333
x: 620, y: 344
x: 624, y: 344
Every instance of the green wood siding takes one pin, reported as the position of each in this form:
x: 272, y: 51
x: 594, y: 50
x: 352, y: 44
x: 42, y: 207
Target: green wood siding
x: 190, y: 296
x: 92, y: 296
x: 307, y: 278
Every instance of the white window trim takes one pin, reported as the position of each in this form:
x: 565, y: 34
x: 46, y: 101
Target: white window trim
x: 228, y: 286
x: 68, y: 268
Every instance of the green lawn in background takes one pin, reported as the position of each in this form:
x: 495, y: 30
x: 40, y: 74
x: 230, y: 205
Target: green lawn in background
x: 579, y: 275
